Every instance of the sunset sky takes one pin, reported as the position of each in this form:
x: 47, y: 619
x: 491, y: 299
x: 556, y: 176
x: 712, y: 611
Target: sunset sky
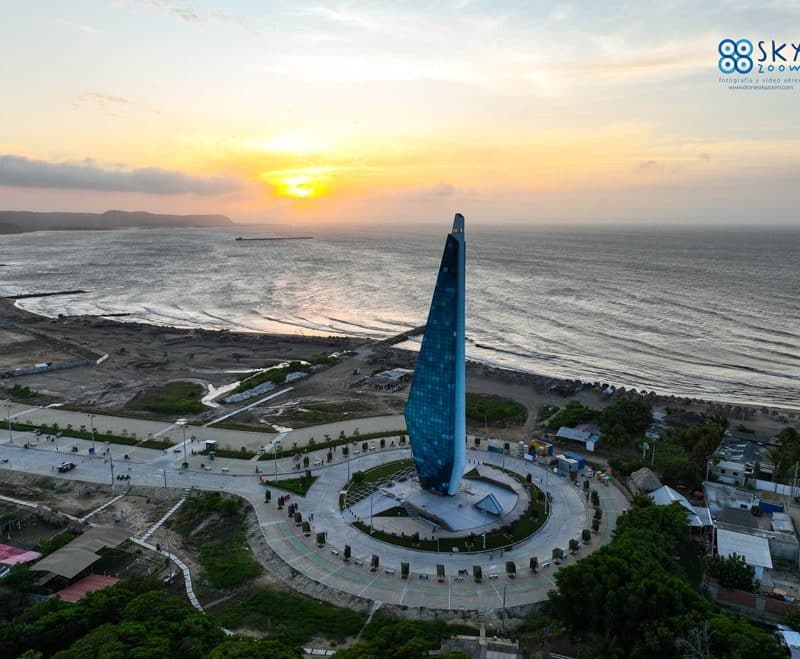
x: 519, y: 112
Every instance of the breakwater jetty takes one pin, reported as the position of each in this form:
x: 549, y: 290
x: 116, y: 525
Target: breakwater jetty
x: 22, y: 296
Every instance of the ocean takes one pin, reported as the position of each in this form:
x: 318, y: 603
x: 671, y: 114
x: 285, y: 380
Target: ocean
x: 705, y: 313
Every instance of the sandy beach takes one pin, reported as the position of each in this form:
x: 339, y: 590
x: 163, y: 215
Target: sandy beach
x: 142, y: 356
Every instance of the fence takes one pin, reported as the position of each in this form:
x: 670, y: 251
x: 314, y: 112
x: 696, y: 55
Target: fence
x: 89, y: 356
x: 769, y: 486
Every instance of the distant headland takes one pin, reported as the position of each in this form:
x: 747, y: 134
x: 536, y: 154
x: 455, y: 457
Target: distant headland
x: 26, y: 221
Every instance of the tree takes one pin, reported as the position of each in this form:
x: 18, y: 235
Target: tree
x: 623, y: 421
x: 732, y: 572
x: 573, y: 414
x: 240, y: 647
x: 792, y: 619
x: 635, y: 600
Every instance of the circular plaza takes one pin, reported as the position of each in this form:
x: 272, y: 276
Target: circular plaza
x: 369, y: 549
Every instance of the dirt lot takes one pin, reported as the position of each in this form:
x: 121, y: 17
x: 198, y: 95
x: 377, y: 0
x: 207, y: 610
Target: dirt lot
x: 22, y: 350
x: 138, y: 510
x: 142, y: 356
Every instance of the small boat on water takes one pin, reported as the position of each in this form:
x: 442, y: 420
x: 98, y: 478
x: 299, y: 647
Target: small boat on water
x: 279, y: 238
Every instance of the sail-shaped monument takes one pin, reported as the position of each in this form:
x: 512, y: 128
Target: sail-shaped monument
x: 435, y: 412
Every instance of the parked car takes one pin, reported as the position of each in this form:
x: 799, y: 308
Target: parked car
x: 66, y: 466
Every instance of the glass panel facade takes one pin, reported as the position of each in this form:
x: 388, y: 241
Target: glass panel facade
x: 435, y: 409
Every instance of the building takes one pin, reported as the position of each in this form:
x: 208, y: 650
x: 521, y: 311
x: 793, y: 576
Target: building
x: 696, y: 516
x: 588, y: 439
x: 731, y: 473
x: 435, y: 412
x: 744, y: 513
x: 391, y: 380
x: 645, y: 480
x: 748, y: 450
x: 753, y: 548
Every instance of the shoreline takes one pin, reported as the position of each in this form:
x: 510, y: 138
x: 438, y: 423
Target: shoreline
x: 477, y: 368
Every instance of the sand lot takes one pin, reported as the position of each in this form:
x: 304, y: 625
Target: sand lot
x: 22, y: 350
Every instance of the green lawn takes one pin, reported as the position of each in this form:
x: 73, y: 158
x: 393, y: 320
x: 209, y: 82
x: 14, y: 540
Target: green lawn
x: 68, y: 431
x: 18, y: 391
x: 527, y: 524
x: 172, y: 398
x: 275, y: 374
x: 291, y: 619
x: 339, y: 441
x: 224, y: 554
x: 493, y: 409
x: 297, y: 485
x: 247, y: 427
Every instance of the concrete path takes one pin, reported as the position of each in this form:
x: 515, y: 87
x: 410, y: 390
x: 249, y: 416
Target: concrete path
x: 325, y: 565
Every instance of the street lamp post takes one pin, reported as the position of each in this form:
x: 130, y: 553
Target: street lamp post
x: 165, y: 477
x: 8, y: 418
x: 111, y: 462
x: 546, y: 490
x: 91, y: 425
x: 484, y: 528
x: 182, y: 424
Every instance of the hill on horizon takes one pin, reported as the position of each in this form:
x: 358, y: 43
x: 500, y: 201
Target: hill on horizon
x: 26, y: 221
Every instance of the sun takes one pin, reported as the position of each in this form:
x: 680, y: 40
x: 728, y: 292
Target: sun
x: 297, y: 184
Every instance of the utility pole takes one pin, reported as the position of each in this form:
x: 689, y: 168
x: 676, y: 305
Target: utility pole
x: 91, y: 425
x: 653, y: 455
x: 371, y: 500
x: 111, y: 461
x: 484, y: 529
x: 794, y: 483
x: 165, y: 477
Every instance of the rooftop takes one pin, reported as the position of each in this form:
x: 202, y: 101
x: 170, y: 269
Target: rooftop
x: 76, y: 556
x: 645, y: 479
x: 746, y: 449
x: 755, y: 549
x: 696, y: 515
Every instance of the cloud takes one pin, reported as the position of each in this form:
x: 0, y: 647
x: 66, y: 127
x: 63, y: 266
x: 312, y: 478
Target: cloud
x: 102, y: 99
x: 193, y: 16
x: 17, y: 171
x: 185, y: 14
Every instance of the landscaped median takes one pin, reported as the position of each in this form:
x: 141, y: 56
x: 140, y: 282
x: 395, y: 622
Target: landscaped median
x: 80, y: 433
x: 364, y: 483
x: 329, y: 444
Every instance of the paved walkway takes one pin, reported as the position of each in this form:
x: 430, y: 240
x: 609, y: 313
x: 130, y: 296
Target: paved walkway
x: 325, y: 565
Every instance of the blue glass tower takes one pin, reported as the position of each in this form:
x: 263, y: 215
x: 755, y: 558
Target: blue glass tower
x: 435, y: 415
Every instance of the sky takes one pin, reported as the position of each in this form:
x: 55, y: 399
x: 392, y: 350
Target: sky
x: 396, y: 112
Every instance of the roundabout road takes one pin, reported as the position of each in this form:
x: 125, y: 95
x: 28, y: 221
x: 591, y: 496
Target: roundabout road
x: 569, y: 515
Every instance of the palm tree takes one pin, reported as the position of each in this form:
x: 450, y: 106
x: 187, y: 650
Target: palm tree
x: 776, y: 458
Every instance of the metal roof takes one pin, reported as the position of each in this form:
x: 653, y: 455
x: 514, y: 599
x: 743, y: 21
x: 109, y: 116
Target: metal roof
x: 79, y: 554
x: 696, y: 516
x: 754, y: 548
